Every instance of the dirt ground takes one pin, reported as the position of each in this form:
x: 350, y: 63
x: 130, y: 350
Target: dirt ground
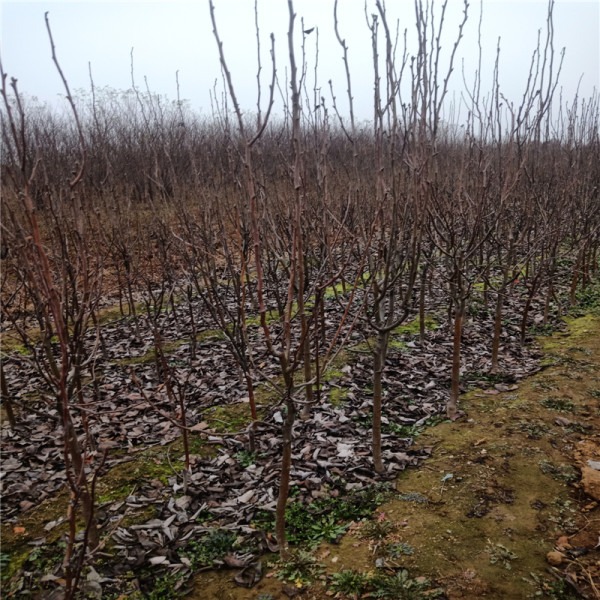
x: 506, y: 508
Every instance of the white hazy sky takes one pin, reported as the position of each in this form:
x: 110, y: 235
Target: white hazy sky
x: 176, y: 35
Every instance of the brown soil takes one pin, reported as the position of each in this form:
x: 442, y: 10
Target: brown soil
x: 502, y: 491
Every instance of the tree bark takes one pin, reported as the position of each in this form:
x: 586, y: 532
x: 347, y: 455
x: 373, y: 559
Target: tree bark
x: 284, y: 481
x: 498, y: 324
x: 6, y: 401
x: 379, y: 352
x: 452, y: 406
x: 422, y: 304
x: 87, y: 500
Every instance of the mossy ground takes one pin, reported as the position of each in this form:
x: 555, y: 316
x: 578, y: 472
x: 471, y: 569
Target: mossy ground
x: 170, y: 347
x: 484, y: 532
x: 493, y: 510
x: 10, y: 341
x: 155, y: 463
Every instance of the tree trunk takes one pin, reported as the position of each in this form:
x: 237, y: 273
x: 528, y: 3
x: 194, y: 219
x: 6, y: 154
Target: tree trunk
x: 253, y: 412
x: 309, y: 396
x: 6, y: 401
x: 452, y: 406
x: 575, y: 281
x: 87, y: 500
x: 549, y: 296
x: 284, y: 481
x: 498, y: 325
x: 526, y: 309
x: 379, y: 354
x: 422, y: 304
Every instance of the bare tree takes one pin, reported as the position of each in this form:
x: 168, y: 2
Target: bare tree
x: 64, y: 289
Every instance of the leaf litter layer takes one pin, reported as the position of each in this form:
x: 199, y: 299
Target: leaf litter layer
x: 155, y: 516
x: 484, y: 516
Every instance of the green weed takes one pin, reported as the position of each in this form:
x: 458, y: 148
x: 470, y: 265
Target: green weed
x: 327, y: 518
x: 246, y: 458
x: 164, y: 588
x: 546, y: 385
x: 564, y: 516
x: 560, y: 404
x: 212, y: 547
x: 44, y: 558
x: 584, y: 351
x: 490, y: 377
x: 301, y: 568
x: 588, y: 301
x: 500, y: 554
x: 562, y: 472
x: 4, y: 563
x: 306, y: 525
x: 377, y: 530
x: 397, y: 586
x: 350, y: 583
x: 575, y: 427
x: 399, y: 549
x: 401, y: 430
x: 540, y: 330
x: 561, y: 360
x: 559, y: 590
x: 401, y: 586
x: 534, y: 429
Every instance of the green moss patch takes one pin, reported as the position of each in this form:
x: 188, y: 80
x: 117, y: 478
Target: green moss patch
x: 170, y: 347
x: 413, y: 326
x: 229, y: 418
x: 337, y: 396
x: 113, y: 313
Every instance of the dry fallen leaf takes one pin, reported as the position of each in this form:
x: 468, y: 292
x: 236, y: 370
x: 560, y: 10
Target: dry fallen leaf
x: 199, y: 426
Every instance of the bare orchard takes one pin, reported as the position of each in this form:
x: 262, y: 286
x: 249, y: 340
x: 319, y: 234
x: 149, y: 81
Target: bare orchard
x: 208, y: 321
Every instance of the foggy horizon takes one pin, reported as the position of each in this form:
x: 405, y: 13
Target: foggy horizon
x: 176, y: 37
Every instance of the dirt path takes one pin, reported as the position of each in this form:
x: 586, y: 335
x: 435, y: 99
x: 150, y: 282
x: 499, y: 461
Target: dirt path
x: 502, y: 490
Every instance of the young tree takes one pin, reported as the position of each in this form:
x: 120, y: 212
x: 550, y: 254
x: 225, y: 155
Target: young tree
x: 62, y: 280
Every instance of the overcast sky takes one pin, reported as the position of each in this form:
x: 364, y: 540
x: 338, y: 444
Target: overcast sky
x: 176, y: 35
